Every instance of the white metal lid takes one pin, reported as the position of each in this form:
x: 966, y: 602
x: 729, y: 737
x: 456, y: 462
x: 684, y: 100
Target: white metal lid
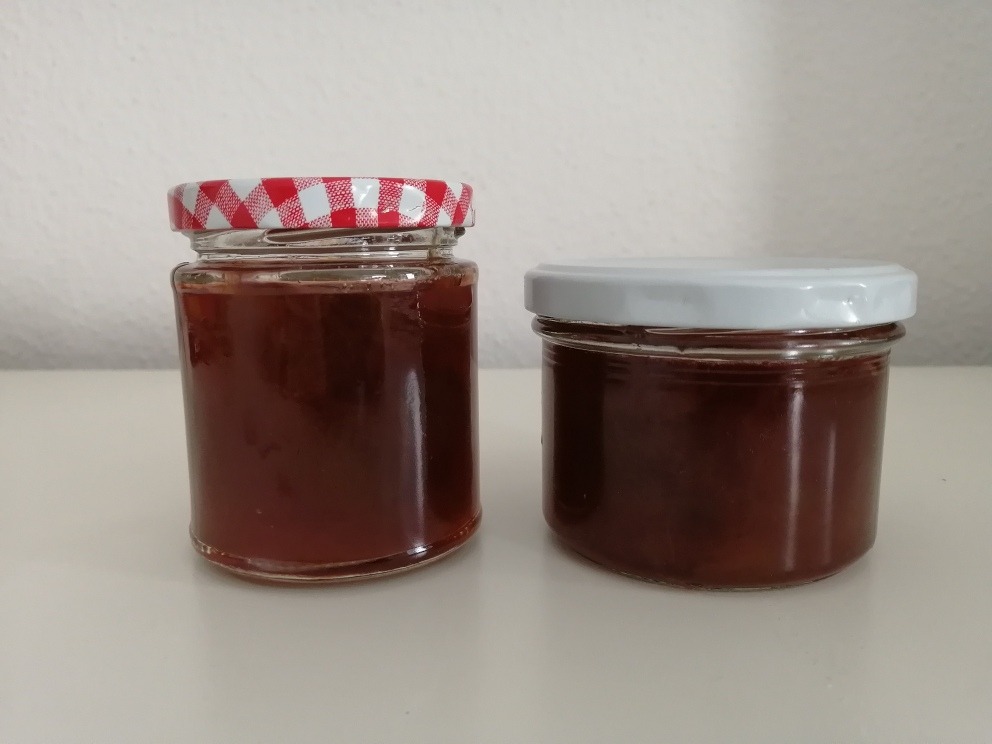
x: 730, y: 293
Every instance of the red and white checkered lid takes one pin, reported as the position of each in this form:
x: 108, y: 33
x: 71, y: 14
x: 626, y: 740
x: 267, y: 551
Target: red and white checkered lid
x: 300, y: 203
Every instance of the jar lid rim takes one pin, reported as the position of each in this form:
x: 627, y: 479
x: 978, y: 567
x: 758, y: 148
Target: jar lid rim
x: 320, y: 202
x: 760, y: 293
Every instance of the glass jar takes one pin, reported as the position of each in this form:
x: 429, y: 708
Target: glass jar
x: 716, y: 423
x: 327, y: 348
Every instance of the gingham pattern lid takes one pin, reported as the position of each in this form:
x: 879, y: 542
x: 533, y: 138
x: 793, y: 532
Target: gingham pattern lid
x: 299, y: 203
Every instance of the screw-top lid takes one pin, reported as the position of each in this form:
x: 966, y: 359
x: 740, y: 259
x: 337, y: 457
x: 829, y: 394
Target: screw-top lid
x: 727, y: 293
x: 300, y: 203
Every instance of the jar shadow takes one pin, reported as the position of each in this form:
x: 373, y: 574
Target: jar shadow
x: 406, y: 639
x: 797, y: 644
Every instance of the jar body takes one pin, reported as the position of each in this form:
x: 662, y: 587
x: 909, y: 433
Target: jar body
x: 330, y: 394
x: 728, y: 460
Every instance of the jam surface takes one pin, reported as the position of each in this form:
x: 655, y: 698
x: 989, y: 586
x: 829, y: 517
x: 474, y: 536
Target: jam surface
x: 331, y: 422
x: 715, y: 473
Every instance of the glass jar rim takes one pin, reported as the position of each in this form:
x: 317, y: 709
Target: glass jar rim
x: 721, y: 344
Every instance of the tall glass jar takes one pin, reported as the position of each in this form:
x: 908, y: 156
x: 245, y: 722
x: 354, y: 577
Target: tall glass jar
x: 327, y: 348
x: 716, y: 423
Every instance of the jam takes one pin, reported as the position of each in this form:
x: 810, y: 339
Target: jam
x: 716, y: 422
x: 330, y: 410
x: 719, y: 460
x: 327, y: 348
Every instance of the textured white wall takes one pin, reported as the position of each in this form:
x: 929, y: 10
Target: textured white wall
x: 853, y: 128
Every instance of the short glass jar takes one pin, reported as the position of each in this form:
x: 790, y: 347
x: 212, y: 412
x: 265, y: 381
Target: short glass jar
x: 716, y: 423
x: 327, y: 348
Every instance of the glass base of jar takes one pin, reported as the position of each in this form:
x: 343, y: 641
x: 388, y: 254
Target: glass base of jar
x: 681, y: 583
x: 292, y: 572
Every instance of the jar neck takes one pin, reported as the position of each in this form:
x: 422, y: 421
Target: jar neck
x: 340, y: 243
x: 728, y: 345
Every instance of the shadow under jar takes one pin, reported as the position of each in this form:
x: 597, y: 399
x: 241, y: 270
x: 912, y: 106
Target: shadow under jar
x: 329, y: 374
x: 716, y: 423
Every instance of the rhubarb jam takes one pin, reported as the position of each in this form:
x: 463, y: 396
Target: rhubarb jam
x: 714, y: 472
x: 329, y: 379
x: 722, y: 458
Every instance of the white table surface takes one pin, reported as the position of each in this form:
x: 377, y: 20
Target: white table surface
x: 113, y: 630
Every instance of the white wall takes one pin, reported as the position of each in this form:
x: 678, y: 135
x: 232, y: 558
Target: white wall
x: 679, y: 127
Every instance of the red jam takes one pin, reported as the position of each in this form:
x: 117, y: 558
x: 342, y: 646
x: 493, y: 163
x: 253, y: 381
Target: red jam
x: 716, y: 460
x: 330, y: 412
